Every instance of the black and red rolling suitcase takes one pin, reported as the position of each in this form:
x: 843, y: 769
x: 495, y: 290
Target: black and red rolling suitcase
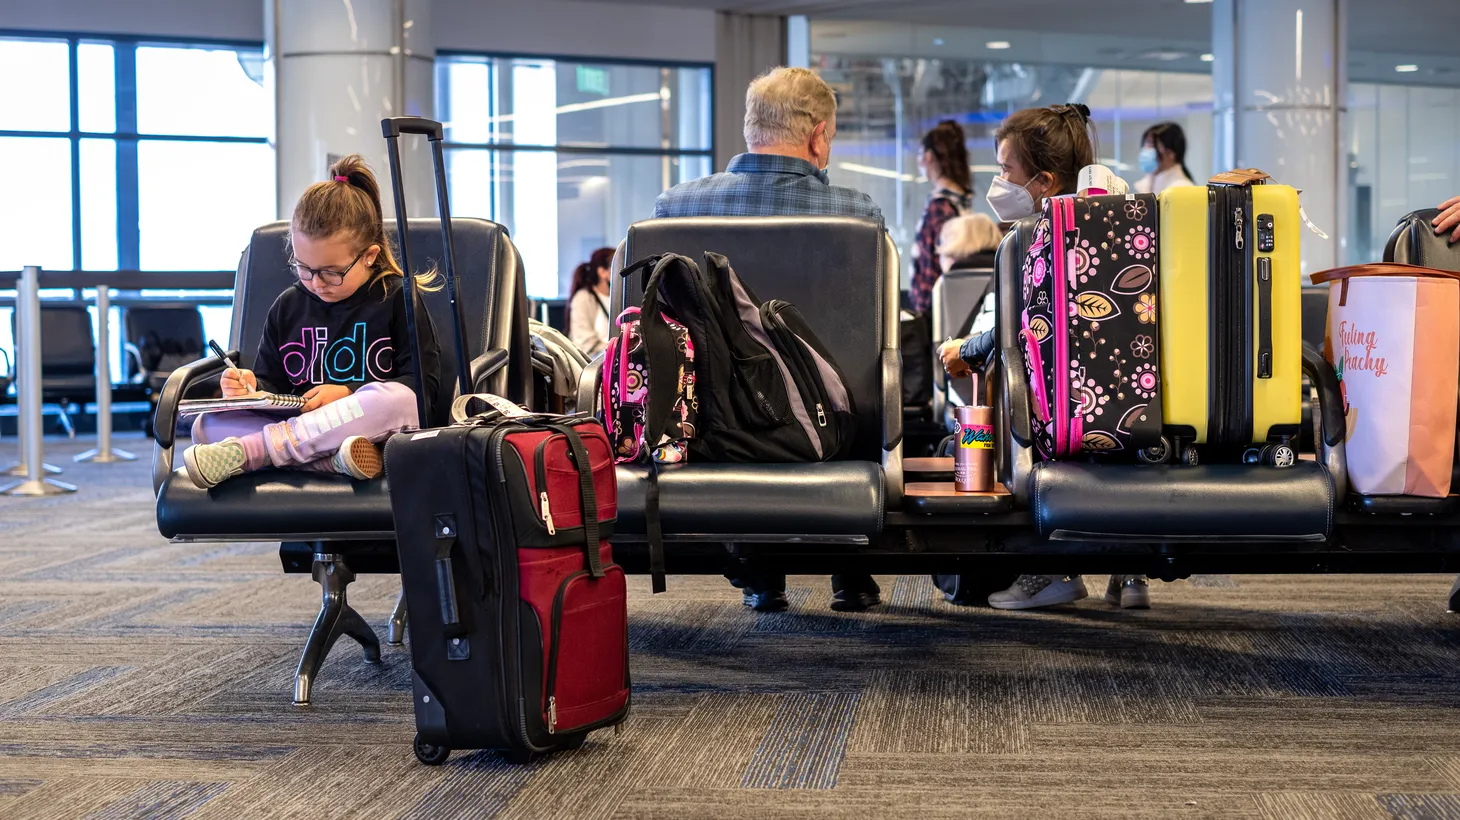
x: 517, y: 615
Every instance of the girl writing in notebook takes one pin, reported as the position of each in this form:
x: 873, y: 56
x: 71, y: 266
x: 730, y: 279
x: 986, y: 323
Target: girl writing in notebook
x: 336, y: 337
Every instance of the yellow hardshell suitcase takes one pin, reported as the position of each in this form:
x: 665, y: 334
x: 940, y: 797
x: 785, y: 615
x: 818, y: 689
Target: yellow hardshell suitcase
x: 1231, y: 318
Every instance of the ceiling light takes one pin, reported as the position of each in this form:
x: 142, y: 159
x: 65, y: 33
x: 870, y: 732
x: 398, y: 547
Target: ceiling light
x: 1206, y: 58
x: 997, y: 45
x: 1407, y: 68
x: 1164, y: 55
x: 1198, y: 1
x: 937, y: 41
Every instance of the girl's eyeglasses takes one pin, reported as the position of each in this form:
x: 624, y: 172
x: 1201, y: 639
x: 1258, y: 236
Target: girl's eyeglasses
x: 326, y: 275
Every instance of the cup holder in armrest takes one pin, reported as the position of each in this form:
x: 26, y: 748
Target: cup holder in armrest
x: 940, y: 498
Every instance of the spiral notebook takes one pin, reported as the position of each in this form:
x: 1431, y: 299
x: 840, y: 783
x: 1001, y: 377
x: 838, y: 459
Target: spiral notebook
x: 265, y: 402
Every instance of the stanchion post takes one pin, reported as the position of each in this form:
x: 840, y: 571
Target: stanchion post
x: 104, y: 454
x: 19, y: 469
x: 28, y: 397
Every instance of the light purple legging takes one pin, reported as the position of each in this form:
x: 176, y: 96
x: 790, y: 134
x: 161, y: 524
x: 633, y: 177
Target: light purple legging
x: 375, y: 411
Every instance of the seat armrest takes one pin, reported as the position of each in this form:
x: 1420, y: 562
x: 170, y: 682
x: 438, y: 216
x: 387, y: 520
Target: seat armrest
x: 484, y: 366
x: 176, y: 387
x: 135, y: 355
x: 1331, y: 426
x: 589, y: 385
x: 164, y: 422
x: 1016, y: 388
x: 891, y: 398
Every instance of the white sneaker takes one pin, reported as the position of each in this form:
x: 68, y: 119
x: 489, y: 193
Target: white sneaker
x: 1128, y: 592
x: 358, y: 458
x: 1035, y: 591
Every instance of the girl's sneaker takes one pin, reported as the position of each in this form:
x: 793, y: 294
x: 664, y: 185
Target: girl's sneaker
x: 1128, y: 592
x: 1035, y: 591
x: 358, y: 458
x: 211, y: 464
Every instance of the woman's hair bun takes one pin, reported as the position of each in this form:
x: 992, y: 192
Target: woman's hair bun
x: 1076, y: 108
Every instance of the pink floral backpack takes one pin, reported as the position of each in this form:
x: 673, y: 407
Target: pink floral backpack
x: 626, y: 393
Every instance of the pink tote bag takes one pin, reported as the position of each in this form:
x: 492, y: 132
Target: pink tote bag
x: 1394, y: 338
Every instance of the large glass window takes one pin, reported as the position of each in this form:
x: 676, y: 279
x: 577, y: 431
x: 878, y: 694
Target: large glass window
x: 1404, y: 155
x: 154, y: 156
x: 887, y: 105
x: 568, y: 154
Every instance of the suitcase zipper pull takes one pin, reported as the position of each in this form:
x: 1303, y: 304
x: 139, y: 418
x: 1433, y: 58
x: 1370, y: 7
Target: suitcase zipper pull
x: 552, y: 714
x: 820, y: 415
x: 1237, y: 215
x: 547, y: 513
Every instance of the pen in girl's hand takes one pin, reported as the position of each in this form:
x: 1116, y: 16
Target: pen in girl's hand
x: 218, y: 351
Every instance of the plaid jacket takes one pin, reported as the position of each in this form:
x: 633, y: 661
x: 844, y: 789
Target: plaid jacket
x: 765, y: 185
x: 943, y: 205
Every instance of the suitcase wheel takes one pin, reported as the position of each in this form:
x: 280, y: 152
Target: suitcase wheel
x: 517, y: 757
x: 1255, y: 455
x: 1158, y: 453
x: 1282, y: 455
x: 574, y: 741
x: 1189, y: 456
x: 429, y: 753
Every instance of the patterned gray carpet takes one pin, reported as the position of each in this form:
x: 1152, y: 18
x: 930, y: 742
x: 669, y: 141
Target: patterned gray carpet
x: 142, y: 679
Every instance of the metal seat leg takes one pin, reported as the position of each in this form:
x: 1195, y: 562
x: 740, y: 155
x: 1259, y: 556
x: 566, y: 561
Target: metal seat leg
x: 63, y: 410
x: 395, y: 633
x: 336, y: 618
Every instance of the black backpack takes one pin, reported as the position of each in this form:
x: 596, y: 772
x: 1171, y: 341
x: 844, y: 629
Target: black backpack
x: 766, y: 388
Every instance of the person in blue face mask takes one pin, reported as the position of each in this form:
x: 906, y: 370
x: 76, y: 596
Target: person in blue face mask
x: 1163, y: 159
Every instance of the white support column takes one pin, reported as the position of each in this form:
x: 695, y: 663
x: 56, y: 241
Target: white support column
x: 337, y: 69
x: 798, y: 41
x: 1280, y: 82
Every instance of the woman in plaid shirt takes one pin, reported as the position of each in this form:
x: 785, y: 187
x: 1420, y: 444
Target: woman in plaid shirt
x: 944, y: 161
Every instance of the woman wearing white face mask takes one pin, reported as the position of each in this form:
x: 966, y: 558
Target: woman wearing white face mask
x: 1040, y: 153
x: 1163, y: 159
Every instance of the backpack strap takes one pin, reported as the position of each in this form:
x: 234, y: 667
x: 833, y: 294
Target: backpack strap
x: 652, y: 527
x: 647, y: 264
x: 660, y: 356
x: 660, y: 348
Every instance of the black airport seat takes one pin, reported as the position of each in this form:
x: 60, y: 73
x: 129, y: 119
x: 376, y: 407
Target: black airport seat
x: 1081, y: 501
x: 334, y: 516
x: 68, y: 357
x: 1074, y: 501
x: 842, y: 273
x: 158, y: 340
x: 957, y: 296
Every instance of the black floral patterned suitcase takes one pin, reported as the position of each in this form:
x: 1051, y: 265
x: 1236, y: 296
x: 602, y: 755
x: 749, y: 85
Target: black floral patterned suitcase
x: 1090, y: 331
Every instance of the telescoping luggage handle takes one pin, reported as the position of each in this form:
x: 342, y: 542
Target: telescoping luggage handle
x: 392, y: 128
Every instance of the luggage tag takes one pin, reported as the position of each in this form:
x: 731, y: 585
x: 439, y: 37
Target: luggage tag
x: 497, y: 406
x: 1253, y: 176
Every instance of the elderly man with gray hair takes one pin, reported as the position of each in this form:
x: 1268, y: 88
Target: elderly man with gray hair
x: 790, y: 121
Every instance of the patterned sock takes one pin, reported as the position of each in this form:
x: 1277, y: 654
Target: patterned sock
x: 256, y: 457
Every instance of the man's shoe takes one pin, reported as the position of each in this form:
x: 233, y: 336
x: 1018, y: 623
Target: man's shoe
x: 1035, y: 591
x: 209, y: 465
x: 358, y: 458
x: 1128, y: 592
x: 771, y: 600
x: 849, y: 600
